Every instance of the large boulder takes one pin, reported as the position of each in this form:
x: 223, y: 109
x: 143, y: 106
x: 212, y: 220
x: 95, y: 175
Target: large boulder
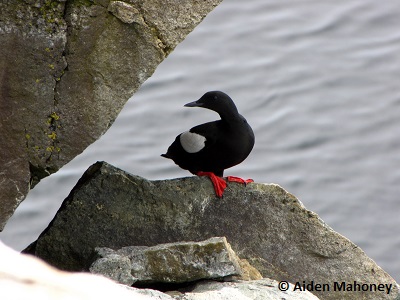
x: 263, y: 223
x: 66, y: 70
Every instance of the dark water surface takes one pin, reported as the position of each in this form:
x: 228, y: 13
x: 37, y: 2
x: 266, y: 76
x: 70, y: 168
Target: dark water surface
x: 319, y: 81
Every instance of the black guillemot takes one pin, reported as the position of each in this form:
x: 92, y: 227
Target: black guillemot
x: 210, y: 148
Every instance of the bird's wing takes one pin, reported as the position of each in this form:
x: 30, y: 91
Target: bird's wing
x: 209, y: 131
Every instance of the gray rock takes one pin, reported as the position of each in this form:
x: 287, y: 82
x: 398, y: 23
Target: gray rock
x: 115, y: 267
x: 169, y: 263
x: 66, y: 70
x: 263, y: 223
x: 264, y: 289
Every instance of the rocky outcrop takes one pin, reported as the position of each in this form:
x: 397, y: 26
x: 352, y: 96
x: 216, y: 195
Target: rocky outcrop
x: 264, y: 224
x: 168, y: 263
x: 66, y: 70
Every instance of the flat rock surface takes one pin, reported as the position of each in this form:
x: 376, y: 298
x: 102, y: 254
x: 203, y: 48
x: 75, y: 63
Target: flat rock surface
x: 263, y: 223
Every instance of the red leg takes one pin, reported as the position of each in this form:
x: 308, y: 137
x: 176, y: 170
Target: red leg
x: 218, y: 182
x: 239, y: 180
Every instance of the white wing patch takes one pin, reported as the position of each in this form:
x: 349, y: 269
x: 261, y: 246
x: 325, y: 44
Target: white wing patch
x: 192, y: 142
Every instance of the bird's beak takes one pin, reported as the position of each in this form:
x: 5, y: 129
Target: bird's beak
x: 193, y: 104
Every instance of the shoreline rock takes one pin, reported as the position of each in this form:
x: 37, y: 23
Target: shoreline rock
x: 264, y: 224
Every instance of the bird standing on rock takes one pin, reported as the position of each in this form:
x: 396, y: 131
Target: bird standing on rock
x: 210, y: 148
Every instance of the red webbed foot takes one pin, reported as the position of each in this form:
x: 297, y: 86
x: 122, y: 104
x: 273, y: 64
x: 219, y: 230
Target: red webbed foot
x: 218, y: 182
x: 239, y: 180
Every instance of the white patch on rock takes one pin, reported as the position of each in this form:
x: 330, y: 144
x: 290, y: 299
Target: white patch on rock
x: 192, y: 142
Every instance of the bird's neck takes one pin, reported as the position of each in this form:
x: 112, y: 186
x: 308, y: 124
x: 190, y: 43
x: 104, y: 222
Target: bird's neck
x: 232, y: 121
x: 229, y: 115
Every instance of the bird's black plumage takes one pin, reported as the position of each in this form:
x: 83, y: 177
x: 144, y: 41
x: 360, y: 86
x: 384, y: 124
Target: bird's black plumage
x: 227, y: 142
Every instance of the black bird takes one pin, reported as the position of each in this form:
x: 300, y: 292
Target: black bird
x: 210, y: 148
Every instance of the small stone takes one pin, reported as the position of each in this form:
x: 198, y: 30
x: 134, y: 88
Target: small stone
x: 170, y: 263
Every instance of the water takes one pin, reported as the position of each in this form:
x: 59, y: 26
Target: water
x: 319, y: 83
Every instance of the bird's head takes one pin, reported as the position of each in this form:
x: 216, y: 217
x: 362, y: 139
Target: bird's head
x: 216, y: 101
